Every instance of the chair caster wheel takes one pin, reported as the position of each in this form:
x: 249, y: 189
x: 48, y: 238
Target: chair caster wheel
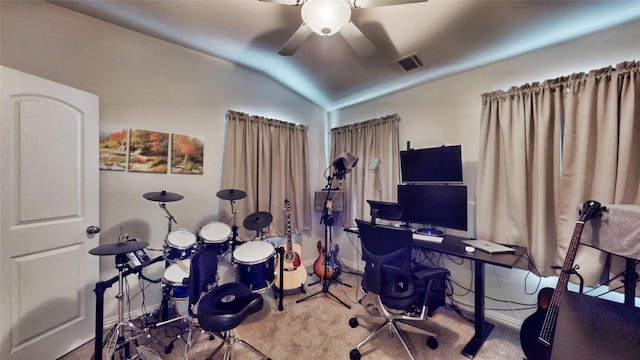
x: 354, y: 354
x: 432, y: 343
x: 353, y: 322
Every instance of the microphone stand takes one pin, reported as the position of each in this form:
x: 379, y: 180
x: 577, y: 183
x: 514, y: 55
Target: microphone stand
x: 327, y: 220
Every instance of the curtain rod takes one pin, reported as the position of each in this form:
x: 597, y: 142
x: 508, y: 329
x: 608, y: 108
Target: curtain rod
x: 243, y: 116
x: 392, y: 117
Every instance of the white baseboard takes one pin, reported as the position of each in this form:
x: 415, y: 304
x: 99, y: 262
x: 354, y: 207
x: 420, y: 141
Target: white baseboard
x: 109, y: 322
x: 495, y: 316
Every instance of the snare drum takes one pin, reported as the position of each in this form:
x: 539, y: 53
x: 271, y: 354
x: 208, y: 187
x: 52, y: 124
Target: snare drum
x: 180, y: 244
x: 216, y: 235
x: 256, y: 265
x: 173, y: 277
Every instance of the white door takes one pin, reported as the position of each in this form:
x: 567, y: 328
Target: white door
x: 48, y: 198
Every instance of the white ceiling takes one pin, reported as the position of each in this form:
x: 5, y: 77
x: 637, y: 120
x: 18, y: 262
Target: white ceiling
x: 448, y: 36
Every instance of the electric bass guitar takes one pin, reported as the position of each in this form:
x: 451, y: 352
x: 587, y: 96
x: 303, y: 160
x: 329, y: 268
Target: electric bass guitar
x: 536, y: 334
x: 294, y: 275
x: 327, y: 266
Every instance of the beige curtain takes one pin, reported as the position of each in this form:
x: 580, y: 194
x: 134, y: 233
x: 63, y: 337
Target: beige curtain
x: 268, y: 159
x: 518, y: 167
x: 377, y: 138
x: 546, y: 148
x: 601, y: 159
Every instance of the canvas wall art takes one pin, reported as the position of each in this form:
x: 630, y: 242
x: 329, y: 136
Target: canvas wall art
x: 113, y: 147
x: 186, y: 154
x: 148, y: 151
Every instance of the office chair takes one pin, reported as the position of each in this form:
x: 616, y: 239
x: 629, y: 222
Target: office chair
x: 220, y: 309
x: 402, y: 295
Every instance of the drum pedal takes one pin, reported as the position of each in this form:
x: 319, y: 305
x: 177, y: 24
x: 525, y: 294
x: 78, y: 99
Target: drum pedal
x: 148, y: 320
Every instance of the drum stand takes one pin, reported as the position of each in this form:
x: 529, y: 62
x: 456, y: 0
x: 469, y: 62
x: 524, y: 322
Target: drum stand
x: 234, y: 227
x: 164, y: 305
x: 116, y: 339
x: 165, y: 294
x: 170, y: 217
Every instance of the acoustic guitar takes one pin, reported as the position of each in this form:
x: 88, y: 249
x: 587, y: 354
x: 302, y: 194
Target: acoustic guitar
x: 536, y: 334
x: 294, y: 274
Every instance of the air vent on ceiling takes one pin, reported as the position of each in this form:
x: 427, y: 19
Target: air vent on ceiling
x: 408, y: 63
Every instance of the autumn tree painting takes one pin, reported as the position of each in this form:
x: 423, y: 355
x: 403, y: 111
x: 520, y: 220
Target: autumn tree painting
x: 149, y: 151
x: 186, y: 154
x: 113, y: 149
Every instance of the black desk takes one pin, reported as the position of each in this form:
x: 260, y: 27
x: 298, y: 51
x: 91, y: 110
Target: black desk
x: 593, y: 328
x: 452, y: 245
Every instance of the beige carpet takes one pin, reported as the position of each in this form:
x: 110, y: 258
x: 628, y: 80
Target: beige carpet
x: 318, y: 328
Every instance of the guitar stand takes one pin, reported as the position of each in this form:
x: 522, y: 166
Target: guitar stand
x: 323, y: 279
x: 334, y: 279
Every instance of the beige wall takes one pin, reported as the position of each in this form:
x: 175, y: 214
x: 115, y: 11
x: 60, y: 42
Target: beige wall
x: 147, y: 83
x: 150, y: 84
x: 448, y: 112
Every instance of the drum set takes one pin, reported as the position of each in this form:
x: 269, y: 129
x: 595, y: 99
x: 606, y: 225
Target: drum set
x: 251, y: 263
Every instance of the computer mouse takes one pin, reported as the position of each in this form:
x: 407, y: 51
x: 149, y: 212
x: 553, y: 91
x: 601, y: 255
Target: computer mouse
x: 469, y: 249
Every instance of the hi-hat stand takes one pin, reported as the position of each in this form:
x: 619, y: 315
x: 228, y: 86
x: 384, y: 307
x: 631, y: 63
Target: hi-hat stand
x: 327, y: 220
x: 117, y: 340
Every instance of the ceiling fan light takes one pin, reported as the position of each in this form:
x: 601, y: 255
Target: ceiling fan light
x: 326, y: 17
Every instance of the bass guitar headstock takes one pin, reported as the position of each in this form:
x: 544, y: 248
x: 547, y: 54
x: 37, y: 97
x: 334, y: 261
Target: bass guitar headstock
x: 590, y: 210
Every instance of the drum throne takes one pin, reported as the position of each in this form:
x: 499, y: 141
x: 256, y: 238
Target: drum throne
x: 220, y: 309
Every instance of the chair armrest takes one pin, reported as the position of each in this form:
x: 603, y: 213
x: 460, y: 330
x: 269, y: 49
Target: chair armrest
x: 426, y: 274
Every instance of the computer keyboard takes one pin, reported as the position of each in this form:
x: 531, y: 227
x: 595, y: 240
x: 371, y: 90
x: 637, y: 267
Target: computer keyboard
x: 425, y: 237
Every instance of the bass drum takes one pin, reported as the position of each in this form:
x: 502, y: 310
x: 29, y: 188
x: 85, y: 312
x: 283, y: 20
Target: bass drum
x: 226, y: 273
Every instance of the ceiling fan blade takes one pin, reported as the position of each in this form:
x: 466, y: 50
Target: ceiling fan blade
x: 285, y: 2
x: 294, y: 42
x: 357, y: 40
x: 356, y: 4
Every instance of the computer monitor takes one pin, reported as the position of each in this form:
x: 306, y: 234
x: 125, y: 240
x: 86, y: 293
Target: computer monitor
x: 434, y: 205
x: 384, y: 210
x: 432, y: 165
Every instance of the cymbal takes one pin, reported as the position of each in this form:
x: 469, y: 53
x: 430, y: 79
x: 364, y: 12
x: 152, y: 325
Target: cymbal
x: 257, y: 221
x: 118, y: 248
x: 162, y: 196
x: 231, y: 194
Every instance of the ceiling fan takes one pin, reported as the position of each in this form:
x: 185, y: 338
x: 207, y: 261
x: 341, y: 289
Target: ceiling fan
x: 327, y: 17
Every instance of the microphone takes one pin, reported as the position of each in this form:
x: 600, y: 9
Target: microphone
x: 344, y: 163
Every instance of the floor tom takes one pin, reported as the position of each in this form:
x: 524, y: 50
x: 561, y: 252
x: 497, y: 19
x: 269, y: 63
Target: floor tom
x: 256, y: 265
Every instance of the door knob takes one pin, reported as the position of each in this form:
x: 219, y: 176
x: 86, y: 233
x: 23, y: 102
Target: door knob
x: 93, y: 230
